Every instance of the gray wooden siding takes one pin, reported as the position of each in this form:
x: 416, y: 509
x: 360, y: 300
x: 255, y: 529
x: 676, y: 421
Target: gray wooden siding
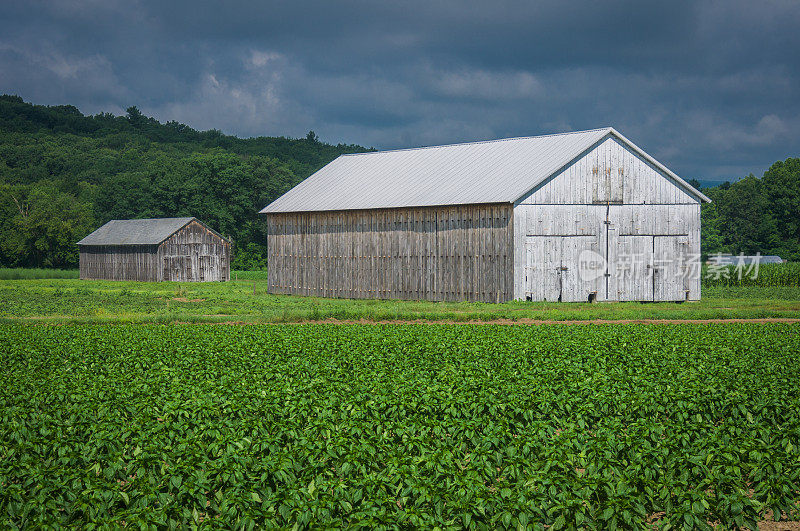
x: 114, y: 262
x: 547, y: 237
x: 613, y: 202
x: 610, y: 172
x: 432, y: 253
x: 195, y: 254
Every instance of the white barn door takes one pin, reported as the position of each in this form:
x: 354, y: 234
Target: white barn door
x: 649, y: 268
x: 633, y: 269
x: 577, y: 280
x: 543, y: 268
x: 553, y: 271
x: 669, y: 274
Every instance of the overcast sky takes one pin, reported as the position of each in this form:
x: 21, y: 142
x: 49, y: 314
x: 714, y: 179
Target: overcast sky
x: 711, y: 89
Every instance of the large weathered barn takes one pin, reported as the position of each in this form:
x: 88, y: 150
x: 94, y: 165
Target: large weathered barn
x: 176, y: 249
x: 571, y: 217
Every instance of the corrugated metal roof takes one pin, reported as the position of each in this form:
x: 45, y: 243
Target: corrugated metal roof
x: 727, y: 259
x: 495, y: 171
x: 135, y: 231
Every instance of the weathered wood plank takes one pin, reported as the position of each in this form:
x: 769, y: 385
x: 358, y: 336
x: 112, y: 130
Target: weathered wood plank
x: 193, y: 254
x: 443, y: 253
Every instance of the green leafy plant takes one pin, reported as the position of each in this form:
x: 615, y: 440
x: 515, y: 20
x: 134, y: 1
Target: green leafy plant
x: 449, y: 426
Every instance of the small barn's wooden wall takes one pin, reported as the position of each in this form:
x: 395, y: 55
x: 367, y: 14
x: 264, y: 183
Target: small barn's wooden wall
x: 195, y: 254
x: 117, y: 262
x: 433, y: 253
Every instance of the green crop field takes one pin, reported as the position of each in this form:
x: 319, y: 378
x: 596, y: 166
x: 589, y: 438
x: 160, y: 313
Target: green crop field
x: 122, y: 408
x: 428, y: 426
x: 766, y: 275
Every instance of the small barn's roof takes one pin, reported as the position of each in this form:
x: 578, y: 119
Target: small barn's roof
x: 135, y: 231
x: 495, y: 171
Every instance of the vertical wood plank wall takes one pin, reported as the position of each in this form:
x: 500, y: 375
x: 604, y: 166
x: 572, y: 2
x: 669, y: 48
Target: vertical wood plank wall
x: 574, y: 202
x: 640, y: 181
x: 193, y: 254
x: 119, y: 262
x: 435, y: 253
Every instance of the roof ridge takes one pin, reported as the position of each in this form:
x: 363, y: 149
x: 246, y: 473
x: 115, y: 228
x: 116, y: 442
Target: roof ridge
x: 152, y: 219
x: 476, y: 142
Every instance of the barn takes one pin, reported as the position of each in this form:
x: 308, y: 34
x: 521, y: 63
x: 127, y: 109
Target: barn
x: 580, y: 216
x: 151, y: 250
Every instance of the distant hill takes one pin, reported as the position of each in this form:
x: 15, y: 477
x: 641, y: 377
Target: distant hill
x: 63, y: 173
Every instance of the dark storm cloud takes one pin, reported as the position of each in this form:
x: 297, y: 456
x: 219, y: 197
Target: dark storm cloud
x: 710, y: 88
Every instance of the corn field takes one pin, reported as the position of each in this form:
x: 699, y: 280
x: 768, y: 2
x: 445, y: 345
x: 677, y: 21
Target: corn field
x: 785, y: 274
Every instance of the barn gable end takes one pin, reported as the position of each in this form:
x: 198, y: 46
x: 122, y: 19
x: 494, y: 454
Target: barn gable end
x: 612, y: 171
x: 195, y: 253
x: 627, y: 211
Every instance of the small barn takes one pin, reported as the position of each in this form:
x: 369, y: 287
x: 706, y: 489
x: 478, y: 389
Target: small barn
x: 570, y: 217
x: 151, y: 250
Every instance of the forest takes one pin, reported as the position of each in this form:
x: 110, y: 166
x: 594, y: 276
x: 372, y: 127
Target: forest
x: 63, y: 174
x: 755, y: 214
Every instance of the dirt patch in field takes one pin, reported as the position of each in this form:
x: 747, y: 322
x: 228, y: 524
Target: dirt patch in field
x: 770, y: 525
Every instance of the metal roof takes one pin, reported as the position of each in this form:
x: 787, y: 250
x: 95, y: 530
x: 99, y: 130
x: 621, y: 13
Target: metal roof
x: 727, y: 259
x: 135, y: 231
x: 494, y: 171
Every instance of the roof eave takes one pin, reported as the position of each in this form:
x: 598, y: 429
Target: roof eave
x: 393, y: 207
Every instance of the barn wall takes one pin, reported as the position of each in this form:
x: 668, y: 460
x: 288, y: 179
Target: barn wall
x: 610, y: 200
x: 606, y: 230
x: 115, y: 262
x: 610, y: 172
x: 195, y: 254
x: 438, y: 253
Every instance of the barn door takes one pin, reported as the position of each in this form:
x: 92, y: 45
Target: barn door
x: 578, y: 279
x: 205, y: 268
x: 177, y: 268
x: 669, y: 279
x: 609, y: 245
x: 554, y: 269
x: 543, y: 268
x: 633, y: 268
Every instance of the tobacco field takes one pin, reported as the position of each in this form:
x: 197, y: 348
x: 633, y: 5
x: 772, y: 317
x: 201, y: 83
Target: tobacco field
x: 380, y: 426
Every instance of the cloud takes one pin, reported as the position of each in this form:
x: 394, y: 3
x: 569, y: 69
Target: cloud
x: 707, y: 87
x: 254, y: 104
x: 482, y: 84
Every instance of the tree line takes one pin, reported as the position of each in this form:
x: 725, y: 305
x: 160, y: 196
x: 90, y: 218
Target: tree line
x: 63, y: 174
x: 755, y: 215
